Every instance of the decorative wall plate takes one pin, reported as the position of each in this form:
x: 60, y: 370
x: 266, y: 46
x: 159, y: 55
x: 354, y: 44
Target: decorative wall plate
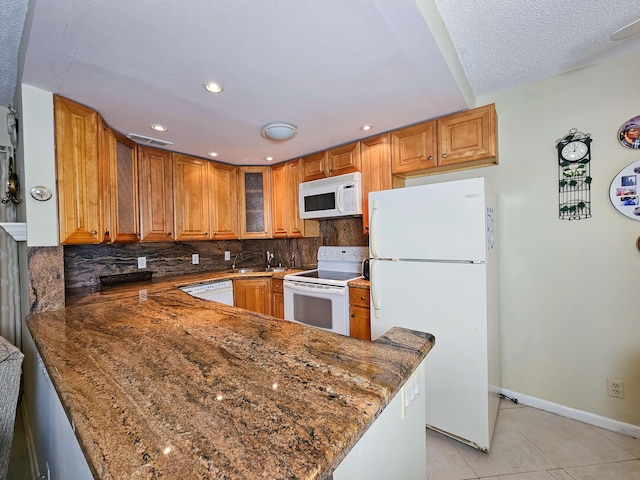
x: 629, y: 133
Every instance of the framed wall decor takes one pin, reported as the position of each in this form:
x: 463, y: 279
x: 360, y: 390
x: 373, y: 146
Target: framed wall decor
x: 623, y: 192
x: 629, y: 133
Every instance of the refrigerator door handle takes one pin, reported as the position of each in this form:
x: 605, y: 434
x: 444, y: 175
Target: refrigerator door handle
x: 375, y: 297
x: 373, y: 229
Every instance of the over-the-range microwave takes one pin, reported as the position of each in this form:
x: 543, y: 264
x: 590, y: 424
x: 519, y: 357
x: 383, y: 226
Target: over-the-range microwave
x: 339, y: 196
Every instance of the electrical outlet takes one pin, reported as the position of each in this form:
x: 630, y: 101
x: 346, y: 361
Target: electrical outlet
x: 195, y: 259
x: 227, y: 255
x: 615, y: 388
x: 411, y: 391
x: 142, y: 262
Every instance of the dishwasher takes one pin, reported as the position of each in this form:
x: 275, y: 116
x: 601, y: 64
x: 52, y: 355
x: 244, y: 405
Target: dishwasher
x: 221, y: 291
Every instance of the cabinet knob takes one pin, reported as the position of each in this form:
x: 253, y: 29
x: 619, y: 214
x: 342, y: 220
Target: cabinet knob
x: 353, y: 315
x: 206, y: 234
x: 362, y: 298
x: 330, y: 170
x: 431, y: 157
x: 169, y: 234
x: 93, y: 232
x: 444, y: 155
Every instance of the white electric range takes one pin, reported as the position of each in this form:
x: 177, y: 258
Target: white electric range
x: 320, y: 297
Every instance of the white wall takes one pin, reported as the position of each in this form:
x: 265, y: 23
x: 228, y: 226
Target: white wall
x: 38, y: 150
x: 570, y: 298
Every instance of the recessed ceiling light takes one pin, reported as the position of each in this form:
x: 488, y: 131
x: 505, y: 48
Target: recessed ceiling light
x: 279, y: 131
x: 213, y: 87
x: 366, y: 127
x: 269, y: 159
x: 158, y: 127
x: 213, y: 154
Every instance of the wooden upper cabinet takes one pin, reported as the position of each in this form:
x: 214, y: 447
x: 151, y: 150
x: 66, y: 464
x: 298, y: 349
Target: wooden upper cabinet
x: 78, y: 173
x: 223, y: 201
x: 462, y: 140
x: 336, y: 161
x: 414, y: 148
x: 314, y: 166
x: 254, y: 185
x: 122, y: 195
x: 155, y: 188
x: 344, y: 159
x: 375, y: 154
x: 468, y: 137
x: 191, y: 198
x: 285, y: 178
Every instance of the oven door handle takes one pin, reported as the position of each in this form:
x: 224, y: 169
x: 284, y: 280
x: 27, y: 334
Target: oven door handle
x: 324, y: 290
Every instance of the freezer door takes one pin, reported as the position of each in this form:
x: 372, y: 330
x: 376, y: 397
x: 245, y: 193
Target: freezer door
x: 450, y: 302
x: 443, y: 221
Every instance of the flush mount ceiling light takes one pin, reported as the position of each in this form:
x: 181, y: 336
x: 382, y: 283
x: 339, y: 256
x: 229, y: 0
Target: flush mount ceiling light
x: 158, y: 127
x: 269, y: 159
x: 213, y: 87
x: 279, y: 131
x: 366, y: 127
x: 213, y: 154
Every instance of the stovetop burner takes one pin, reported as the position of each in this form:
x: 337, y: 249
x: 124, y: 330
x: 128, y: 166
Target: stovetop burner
x: 328, y: 275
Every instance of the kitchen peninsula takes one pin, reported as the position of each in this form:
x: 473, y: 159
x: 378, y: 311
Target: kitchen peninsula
x: 160, y: 384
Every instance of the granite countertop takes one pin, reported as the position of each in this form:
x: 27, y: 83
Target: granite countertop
x: 161, y: 384
x: 360, y: 283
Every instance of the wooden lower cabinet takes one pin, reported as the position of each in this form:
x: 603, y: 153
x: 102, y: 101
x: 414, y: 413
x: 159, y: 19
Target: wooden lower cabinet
x: 359, y: 313
x: 253, y: 294
x: 278, y: 297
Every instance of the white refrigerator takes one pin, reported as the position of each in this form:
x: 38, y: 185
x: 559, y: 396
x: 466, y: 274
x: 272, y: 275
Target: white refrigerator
x: 434, y: 268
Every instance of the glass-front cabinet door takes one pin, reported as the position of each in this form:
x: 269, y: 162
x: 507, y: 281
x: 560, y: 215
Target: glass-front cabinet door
x: 255, y: 196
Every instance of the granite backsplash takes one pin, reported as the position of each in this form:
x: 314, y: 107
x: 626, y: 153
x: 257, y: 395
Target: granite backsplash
x: 84, y: 264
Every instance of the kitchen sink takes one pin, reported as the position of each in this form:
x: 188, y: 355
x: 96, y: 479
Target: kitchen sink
x: 257, y: 269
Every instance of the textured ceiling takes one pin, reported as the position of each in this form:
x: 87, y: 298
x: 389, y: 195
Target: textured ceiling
x: 505, y: 43
x: 327, y: 66
x: 12, y: 18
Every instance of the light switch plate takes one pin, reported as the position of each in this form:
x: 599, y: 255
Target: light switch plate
x: 227, y: 255
x: 195, y: 259
x: 142, y: 262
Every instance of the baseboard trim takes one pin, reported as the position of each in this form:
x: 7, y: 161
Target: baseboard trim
x: 580, y: 415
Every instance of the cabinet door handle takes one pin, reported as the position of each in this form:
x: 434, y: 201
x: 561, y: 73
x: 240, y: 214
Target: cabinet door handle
x: 444, y: 155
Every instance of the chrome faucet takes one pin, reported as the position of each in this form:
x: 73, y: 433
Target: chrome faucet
x: 293, y: 259
x: 269, y: 258
x: 235, y: 259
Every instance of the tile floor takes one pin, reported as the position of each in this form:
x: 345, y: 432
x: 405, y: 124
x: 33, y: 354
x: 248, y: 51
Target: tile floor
x: 528, y: 444
x: 531, y: 444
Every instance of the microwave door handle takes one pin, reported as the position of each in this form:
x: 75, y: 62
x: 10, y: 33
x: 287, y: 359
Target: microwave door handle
x: 340, y: 198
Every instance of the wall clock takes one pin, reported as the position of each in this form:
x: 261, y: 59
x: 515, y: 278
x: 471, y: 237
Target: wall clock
x: 574, y: 180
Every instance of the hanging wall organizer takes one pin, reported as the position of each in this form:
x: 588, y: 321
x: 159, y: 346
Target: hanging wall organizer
x: 574, y: 179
